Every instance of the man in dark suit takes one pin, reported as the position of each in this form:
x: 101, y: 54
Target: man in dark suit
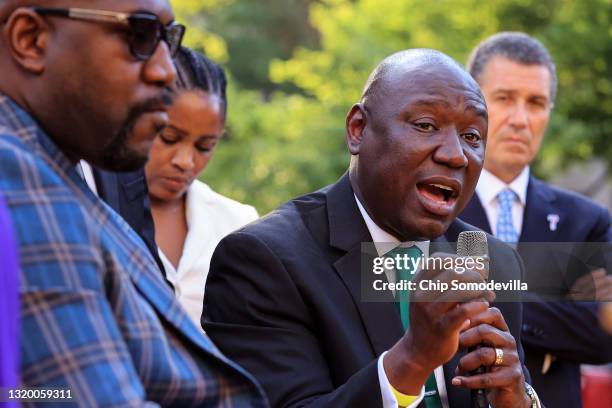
x: 284, y: 295
x: 518, y: 79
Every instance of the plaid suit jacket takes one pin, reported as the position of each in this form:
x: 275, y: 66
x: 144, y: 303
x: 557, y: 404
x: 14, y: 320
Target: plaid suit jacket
x: 97, y: 317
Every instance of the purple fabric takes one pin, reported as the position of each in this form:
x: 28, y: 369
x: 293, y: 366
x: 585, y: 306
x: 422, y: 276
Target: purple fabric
x: 9, y: 303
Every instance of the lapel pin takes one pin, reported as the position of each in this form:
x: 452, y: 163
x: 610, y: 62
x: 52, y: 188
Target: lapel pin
x: 553, y: 220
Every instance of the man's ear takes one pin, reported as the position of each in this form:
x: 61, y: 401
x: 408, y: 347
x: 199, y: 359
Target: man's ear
x: 26, y: 34
x: 355, y: 125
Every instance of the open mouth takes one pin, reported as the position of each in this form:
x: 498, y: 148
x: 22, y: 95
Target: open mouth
x: 439, y: 197
x: 437, y: 192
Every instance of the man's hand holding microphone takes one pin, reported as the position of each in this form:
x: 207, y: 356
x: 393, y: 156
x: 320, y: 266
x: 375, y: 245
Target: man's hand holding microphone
x: 445, y: 322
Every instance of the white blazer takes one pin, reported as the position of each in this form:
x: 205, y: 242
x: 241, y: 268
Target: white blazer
x: 210, y: 217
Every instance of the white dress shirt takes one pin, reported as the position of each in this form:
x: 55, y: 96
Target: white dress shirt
x: 88, y: 176
x: 489, y: 187
x: 210, y: 217
x: 384, y: 242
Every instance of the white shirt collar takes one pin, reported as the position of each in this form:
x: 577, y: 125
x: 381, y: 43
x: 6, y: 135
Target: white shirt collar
x: 489, y: 186
x: 88, y: 176
x: 383, y: 241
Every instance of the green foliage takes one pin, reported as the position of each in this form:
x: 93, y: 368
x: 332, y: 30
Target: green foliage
x: 257, y: 32
x: 193, y: 13
x: 284, y: 143
x: 580, y: 42
x: 276, y: 149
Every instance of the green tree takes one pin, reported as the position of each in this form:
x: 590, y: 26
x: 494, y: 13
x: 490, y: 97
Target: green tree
x: 282, y: 144
x: 257, y: 32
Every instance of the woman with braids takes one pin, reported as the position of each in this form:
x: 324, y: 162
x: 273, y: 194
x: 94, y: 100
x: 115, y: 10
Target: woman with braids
x: 190, y: 218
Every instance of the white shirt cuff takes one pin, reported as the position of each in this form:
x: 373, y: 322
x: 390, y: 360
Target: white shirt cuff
x: 388, y: 398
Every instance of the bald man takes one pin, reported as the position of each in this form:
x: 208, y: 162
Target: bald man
x: 285, y: 295
x: 88, y: 80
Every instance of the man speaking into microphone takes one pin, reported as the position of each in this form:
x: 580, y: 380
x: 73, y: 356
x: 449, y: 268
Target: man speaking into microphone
x: 284, y: 298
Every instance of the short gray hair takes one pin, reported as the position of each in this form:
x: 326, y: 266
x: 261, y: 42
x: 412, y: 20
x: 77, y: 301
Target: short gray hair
x: 517, y: 47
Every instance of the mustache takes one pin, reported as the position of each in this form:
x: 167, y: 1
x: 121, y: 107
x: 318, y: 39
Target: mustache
x: 160, y: 102
x: 116, y: 155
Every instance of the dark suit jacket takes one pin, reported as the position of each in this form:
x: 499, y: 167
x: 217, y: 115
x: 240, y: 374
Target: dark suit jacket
x: 128, y: 195
x: 283, y: 299
x: 568, y: 330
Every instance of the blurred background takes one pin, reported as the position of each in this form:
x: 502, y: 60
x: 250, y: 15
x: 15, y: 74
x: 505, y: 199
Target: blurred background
x: 296, y: 67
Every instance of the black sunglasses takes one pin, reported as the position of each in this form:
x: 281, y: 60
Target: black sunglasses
x: 146, y: 30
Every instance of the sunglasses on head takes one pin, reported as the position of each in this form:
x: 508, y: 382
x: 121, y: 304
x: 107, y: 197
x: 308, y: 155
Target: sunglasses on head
x: 146, y: 30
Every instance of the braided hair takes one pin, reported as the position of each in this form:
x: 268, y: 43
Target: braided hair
x: 197, y: 72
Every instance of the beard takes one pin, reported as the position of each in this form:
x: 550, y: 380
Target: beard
x: 117, y: 155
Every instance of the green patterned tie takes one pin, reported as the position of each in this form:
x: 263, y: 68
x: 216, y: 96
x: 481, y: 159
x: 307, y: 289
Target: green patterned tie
x: 432, y: 397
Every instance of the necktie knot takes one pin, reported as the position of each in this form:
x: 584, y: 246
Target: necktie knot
x: 405, y: 257
x: 507, y: 198
x: 411, y: 251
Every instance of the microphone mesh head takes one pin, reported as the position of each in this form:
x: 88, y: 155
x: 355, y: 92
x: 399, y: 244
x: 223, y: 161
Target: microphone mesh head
x: 472, y: 243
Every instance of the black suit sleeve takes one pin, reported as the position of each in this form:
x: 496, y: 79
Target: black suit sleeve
x: 517, y: 332
x: 601, y: 231
x: 570, y: 330
x: 255, y: 314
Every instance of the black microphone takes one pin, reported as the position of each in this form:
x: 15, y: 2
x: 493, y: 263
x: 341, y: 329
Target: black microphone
x: 474, y: 244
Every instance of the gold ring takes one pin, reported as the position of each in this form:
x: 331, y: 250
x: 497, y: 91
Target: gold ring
x: 499, y: 356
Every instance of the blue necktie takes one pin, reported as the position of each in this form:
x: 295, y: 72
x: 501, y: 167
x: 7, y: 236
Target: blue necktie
x: 505, y: 227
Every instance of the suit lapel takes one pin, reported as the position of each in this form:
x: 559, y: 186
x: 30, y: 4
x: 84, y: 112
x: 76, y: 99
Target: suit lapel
x: 380, y: 319
x: 146, y: 280
x: 475, y: 214
x: 537, y: 221
x: 107, y: 184
x: 161, y: 298
x: 447, y: 242
x: 347, y: 231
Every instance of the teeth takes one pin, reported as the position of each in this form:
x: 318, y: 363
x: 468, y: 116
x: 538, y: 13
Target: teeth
x: 442, y: 187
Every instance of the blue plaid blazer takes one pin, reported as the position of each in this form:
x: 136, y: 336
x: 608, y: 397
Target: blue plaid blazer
x: 97, y: 317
